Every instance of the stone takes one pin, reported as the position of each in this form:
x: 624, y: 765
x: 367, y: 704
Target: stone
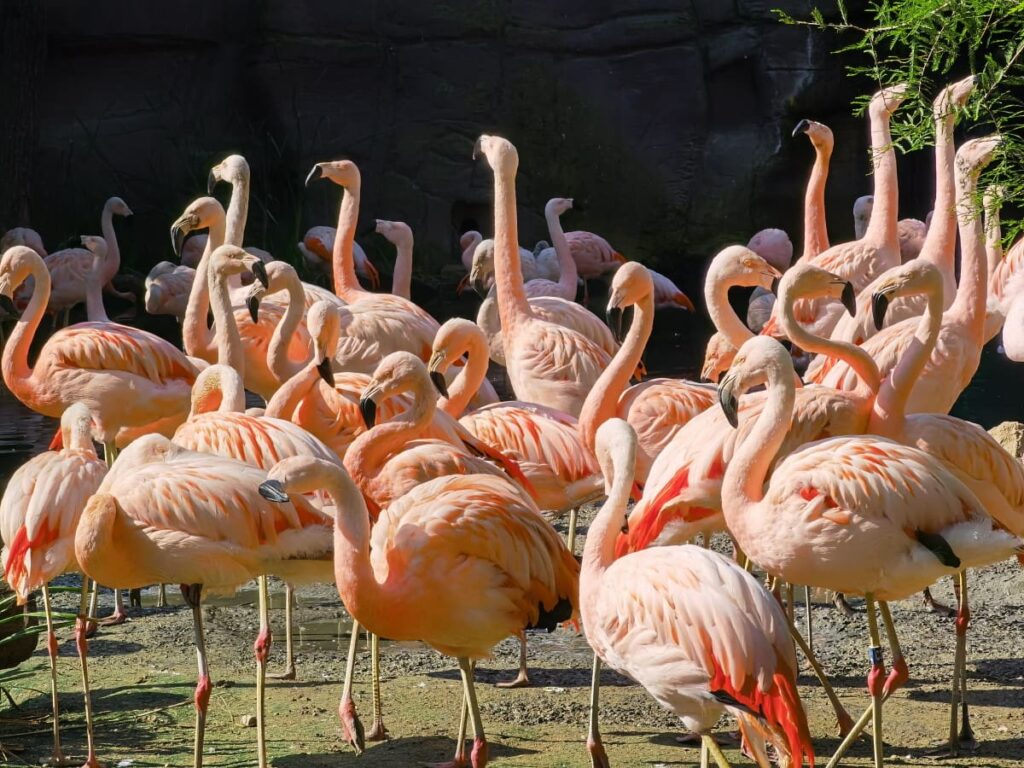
x: 247, y: 721
x: 1010, y: 435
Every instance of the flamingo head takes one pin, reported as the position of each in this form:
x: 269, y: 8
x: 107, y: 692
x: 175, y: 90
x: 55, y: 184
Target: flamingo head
x: 481, y: 274
x: 16, y: 265
x: 739, y: 265
x: 888, y: 100
x: 227, y: 260
x: 199, y: 214
x: 806, y: 281
x: 760, y: 360
x: 718, y: 356
x: 119, y: 206
x: 344, y: 173
x: 269, y: 278
x: 299, y: 475
x: 500, y: 154
x: 396, y: 232
x: 323, y: 320
x: 558, y: 206
x: 974, y: 155
x: 819, y: 134
x: 913, y: 278
x: 453, y: 339
x: 396, y: 374
x: 954, y: 96
x: 233, y: 169
x: 631, y: 285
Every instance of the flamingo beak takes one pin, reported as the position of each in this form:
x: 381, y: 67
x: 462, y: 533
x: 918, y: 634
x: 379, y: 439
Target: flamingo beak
x: 879, y: 306
x: 259, y: 271
x: 7, y: 306
x: 462, y: 284
x: 273, y: 490
x: 439, y: 383
x: 613, y: 316
x: 253, y: 302
x: 802, y: 127
x: 211, y: 182
x: 478, y: 148
x: 775, y: 284
x: 316, y: 173
x: 849, y: 298
x: 368, y: 410
x: 479, y: 285
x: 727, y: 399
x: 177, y: 237
x: 327, y: 372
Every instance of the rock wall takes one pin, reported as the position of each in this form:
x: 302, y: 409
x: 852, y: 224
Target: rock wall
x: 668, y: 122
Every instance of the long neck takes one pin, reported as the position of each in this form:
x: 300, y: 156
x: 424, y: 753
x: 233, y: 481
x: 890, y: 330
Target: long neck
x: 815, y: 225
x: 113, y: 260
x: 888, y: 414
x: 94, y: 309
x: 745, y: 476
x: 508, y: 272
x: 857, y: 358
x: 882, y: 226
x: 468, y: 380
x: 237, y: 213
x: 727, y: 322
x: 940, y: 242
x: 401, y: 280
x: 278, y: 361
x: 969, y: 307
x: 567, y: 276
x: 353, y: 574
x: 345, y: 281
x: 993, y: 238
x: 196, y: 335
x: 599, y: 550
x: 603, y: 399
x: 229, y: 342
x: 368, y: 452
x: 292, y: 392
x: 15, y: 356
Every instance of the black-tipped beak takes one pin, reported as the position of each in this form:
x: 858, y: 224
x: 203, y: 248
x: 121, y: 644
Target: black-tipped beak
x: 439, y: 383
x: 775, y: 285
x: 849, y: 298
x: 368, y: 409
x: 613, y: 316
x: 259, y: 271
x: 211, y: 183
x: 802, y: 127
x: 879, y: 306
x: 479, y: 286
x: 326, y: 371
x: 727, y: 400
x: 272, y: 490
x: 253, y: 302
x: 177, y: 239
x: 7, y: 306
x: 625, y: 526
x: 315, y: 174
x: 477, y: 149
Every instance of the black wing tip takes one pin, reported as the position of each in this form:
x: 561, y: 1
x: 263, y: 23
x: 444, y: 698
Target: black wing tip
x: 939, y: 547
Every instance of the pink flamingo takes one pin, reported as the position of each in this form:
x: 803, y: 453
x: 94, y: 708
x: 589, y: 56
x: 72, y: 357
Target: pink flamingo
x: 691, y: 626
x: 23, y: 236
x: 775, y: 247
x: 557, y: 259
x: 38, y: 516
x: 939, y: 245
x: 399, y: 234
x: 594, y: 256
x: 861, y: 260
x: 547, y: 363
x: 196, y: 519
x: 459, y: 562
x: 815, y: 223
x: 858, y: 514
x: 167, y: 288
x: 961, y: 337
x: 317, y: 247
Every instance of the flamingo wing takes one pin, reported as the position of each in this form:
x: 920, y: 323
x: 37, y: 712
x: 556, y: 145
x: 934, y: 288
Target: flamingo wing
x: 112, y: 347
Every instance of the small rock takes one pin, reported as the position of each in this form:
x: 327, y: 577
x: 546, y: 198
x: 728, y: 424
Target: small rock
x: 247, y: 721
x: 1010, y: 435
x: 554, y: 689
x: 125, y: 763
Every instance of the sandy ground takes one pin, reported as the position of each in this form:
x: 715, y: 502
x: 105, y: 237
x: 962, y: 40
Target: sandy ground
x: 144, y: 671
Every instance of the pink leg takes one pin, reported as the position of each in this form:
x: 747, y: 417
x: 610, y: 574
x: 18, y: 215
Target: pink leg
x: 522, y: 680
x: 350, y: 723
x: 261, y: 649
x: 82, y: 645
x: 598, y: 757
x: 193, y: 594
x: 51, y: 647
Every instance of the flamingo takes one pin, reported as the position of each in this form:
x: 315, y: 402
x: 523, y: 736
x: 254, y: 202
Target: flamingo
x: 547, y: 363
x: 234, y: 169
x: 468, y: 241
x: 23, y: 236
x: 718, y: 355
x: 460, y: 563
x: 691, y: 626
x: 656, y: 408
x: 38, y: 516
x: 196, y: 519
x: 594, y: 256
x: 383, y: 322
x: 858, y: 514
x: 399, y: 234
x: 862, y: 209
x: 556, y: 260
x: 939, y: 246
x: 860, y: 261
x: 128, y: 378
x: 961, y: 337
x: 317, y: 247
x: 911, y: 234
x: 167, y: 288
x: 775, y: 247
x: 815, y: 223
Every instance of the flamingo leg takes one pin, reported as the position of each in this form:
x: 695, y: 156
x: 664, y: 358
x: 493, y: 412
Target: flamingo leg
x: 598, y: 757
x: 261, y: 648
x: 707, y: 741
x: 478, y: 757
x: 875, y: 680
x: 705, y: 756
x: 899, y: 673
x: 963, y: 619
x: 289, y: 652
x: 51, y: 646
x: 522, y: 680
x: 839, y: 601
x: 161, y: 598
x: 377, y: 731
x: 934, y: 605
x: 570, y: 537
x: 790, y: 608
x: 192, y: 593
x: 82, y: 644
x: 346, y: 707
x: 808, y: 605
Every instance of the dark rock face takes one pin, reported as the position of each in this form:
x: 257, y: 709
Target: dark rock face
x: 668, y: 122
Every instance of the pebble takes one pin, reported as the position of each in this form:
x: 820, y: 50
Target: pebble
x: 247, y: 721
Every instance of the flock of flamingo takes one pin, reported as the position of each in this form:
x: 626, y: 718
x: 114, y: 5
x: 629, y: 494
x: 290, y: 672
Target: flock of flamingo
x: 384, y: 456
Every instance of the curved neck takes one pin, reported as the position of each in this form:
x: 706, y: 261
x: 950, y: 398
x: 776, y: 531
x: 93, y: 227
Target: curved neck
x: 727, y: 322
x: 857, y: 358
x: 290, y: 394
x: 969, y: 305
x: 603, y: 399
x: 94, y: 309
x: 227, y: 396
x: 371, y: 450
x: 346, y: 283
x: 278, y: 361
x: 815, y: 225
x: 939, y: 246
x: 78, y: 438
x: 882, y: 226
x: 401, y: 280
x: 353, y: 574
x: 508, y: 272
x: 888, y: 414
x: 567, y: 276
x: 196, y: 335
x: 599, y: 550
x: 229, y: 342
x: 746, y: 473
x: 15, y: 356
x: 469, y: 379
x: 113, y: 259
x: 237, y: 213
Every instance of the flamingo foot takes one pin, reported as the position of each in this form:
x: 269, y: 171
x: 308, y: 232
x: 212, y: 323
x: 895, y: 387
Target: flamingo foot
x: 458, y: 762
x: 478, y: 757
x: 288, y: 674
x: 377, y: 732
x: 522, y: 680
x: 91, y: 762
x: 840, y: 602
x: 58, y: 758
x: 845, y: 724
x: 598, y: 757
x: 351, y: 725
x: 935, y: 606
x: 898, y: 676
x: 117, y: 617
x: 261, y: 648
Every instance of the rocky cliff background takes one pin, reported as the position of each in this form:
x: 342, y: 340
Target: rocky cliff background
x: 668, y: 121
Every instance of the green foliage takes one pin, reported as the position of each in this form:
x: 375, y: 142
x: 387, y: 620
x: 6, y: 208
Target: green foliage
x: 928, y: 44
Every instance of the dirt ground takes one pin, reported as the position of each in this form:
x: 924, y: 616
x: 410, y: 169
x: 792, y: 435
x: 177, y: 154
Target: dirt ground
x: 144, y: 671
